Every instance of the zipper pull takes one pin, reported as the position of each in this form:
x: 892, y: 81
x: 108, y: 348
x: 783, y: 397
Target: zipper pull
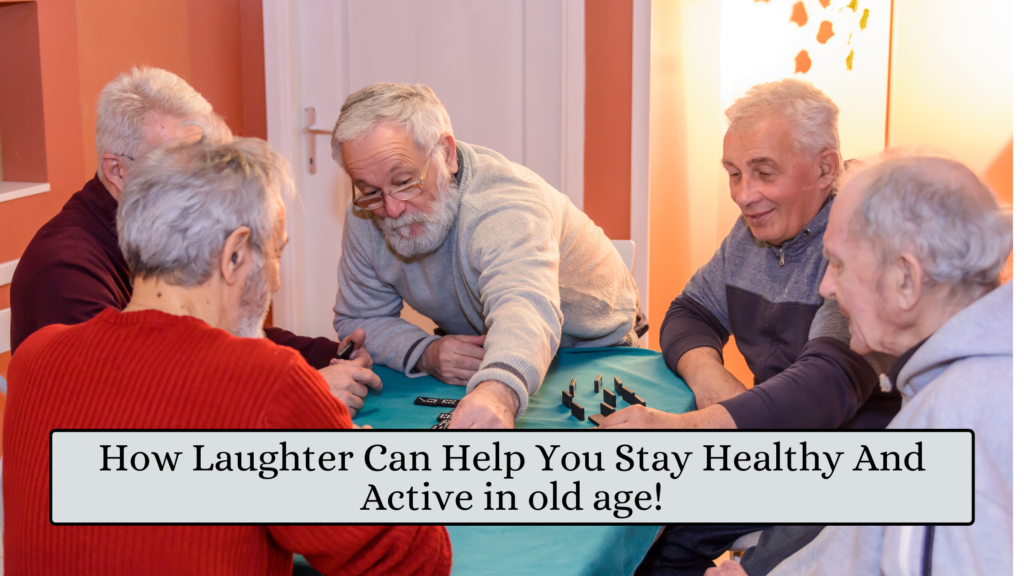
x: 782, y: 258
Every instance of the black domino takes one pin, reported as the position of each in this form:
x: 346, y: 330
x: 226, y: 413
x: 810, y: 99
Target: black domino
x: 609, y: 398
x: 639, y: 400
x: 448, y: 402
x: 572, y: 387
x: 566, y: 400
x: 598, y: 383
x: 444, y: 416
x: 578, y: 412
x: 606, y: 409
x: 424, y: 401
x: 596, y: 419
x: 618, y: 386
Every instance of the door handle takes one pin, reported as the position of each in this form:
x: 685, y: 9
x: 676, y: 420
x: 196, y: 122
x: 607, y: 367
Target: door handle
x: 310, y: 130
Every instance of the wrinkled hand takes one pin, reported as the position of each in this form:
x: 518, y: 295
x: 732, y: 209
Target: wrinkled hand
x: 728, y: 568
x: 453, y: 359
x: 637, y: 416
x: 491, y: 404
x: 359, y: 356
x: 349, y: 382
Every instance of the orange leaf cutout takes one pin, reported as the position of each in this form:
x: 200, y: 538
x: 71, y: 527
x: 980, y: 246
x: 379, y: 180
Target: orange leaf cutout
x: 824, y: 3
x: 803, y: 62
x: 864, y: 19
x: 825, y: 31
x: 849, y: 61
x: 799, y: 14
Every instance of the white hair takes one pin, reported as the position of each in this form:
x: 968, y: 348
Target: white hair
x: 182, y: 200
x: 127, y: 103
x: 938, y: 210
x: 812, y: 117
x: 412, y: 107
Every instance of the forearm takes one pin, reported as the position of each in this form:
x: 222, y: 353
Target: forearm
x: 713, y: 417
x: 391, y: 341
x: 318, y: 352
x: 703, y: 372
x: 824, y: 388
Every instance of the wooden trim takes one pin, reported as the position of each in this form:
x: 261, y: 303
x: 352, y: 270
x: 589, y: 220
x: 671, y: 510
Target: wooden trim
x: 888, y: 84
x: 5, y: 330
x: 574, y: 88
x: 281, y: 56
x: 15, y: 190
x: 639, y: 213
x: 7, y: 271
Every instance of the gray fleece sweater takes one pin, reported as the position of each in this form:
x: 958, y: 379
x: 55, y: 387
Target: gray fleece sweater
x: 961, y: 377
x: 521, y: 265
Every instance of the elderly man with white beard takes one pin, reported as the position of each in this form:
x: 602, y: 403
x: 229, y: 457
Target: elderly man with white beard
x: 504, y: 264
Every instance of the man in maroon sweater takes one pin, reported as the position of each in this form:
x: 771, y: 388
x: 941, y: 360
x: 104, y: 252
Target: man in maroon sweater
x: 73, y: 269
x: 202, y: 226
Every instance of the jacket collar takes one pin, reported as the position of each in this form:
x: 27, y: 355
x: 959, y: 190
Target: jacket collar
x: 101, y: 203
x: 809, y: 235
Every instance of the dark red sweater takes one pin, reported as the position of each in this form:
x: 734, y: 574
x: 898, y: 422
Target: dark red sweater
x: 153, y: 370
x: 73, y: 269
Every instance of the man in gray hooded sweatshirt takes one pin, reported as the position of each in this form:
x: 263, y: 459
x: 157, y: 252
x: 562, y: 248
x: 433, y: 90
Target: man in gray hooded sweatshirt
x: 915, y: 247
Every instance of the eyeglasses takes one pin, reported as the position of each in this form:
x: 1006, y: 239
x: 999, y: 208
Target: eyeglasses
x: 375, y: 199
x: 125, y: 156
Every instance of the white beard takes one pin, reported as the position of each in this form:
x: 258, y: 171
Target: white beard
x: 254, y: 305
x: 434, y: 227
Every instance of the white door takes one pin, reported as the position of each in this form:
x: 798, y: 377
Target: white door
x: 509, y: 72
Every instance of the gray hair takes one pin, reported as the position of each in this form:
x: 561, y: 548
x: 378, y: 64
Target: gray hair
x: 182, y: 201
x: 413, y: 107
x: 126, y: 104
x: 937, y: 209
x: 812, y: 117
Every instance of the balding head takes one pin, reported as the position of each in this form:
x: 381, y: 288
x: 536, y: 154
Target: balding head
x: 909, y: 230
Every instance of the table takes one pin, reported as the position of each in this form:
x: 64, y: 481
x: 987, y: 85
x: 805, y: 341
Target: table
x: 540, y: 549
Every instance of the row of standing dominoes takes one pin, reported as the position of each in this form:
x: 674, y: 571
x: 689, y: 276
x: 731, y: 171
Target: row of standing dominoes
x: 607, y: 407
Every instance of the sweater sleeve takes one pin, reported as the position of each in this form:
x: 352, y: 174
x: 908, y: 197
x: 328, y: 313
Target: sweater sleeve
x: 514, y: 249
x: 821, y: 390
x: 303, y: 401
x: 318, y: 352
x: 364, y: 301
x: 699, y: 316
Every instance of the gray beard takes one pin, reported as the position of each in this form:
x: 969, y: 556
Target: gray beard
x: 254, y: 305
x: 434, y: 227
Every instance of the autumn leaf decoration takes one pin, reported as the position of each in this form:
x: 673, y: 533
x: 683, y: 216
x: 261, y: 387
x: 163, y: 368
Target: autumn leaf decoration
x: 826, y: 30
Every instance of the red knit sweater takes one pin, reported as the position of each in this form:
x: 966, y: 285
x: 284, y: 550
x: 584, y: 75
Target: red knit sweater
x: 154, y: 370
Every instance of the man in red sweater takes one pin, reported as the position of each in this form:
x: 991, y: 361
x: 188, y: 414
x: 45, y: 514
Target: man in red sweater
x: 202, y: 228
x: 73, y: 269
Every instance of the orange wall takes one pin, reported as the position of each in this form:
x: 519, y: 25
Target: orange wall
x: 671, y: 197
x: 215, y: 45
x: 607, y: 141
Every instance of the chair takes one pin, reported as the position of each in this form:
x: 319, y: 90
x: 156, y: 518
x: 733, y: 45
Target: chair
x: 625, y: 248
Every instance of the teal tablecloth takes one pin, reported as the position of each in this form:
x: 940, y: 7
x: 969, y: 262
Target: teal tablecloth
x: 641, y: 370
x: 549, y: 550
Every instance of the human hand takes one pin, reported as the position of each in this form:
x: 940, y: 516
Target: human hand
x: 359, y: 355
x: 713, y: 417
x: 453, y: 359
x: 349, y: 383
x: 491, y: 404
x: 728, y: 568
x: 637, y: 416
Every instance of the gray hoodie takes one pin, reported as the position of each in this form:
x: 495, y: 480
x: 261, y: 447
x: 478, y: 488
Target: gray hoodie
x: 961, y: 377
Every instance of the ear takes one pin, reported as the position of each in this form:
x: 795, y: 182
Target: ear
x: 908, y: 280
x: 828, y: 163
x: 114, y: 171
x: 451, y: 157
x: 236, y: 256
